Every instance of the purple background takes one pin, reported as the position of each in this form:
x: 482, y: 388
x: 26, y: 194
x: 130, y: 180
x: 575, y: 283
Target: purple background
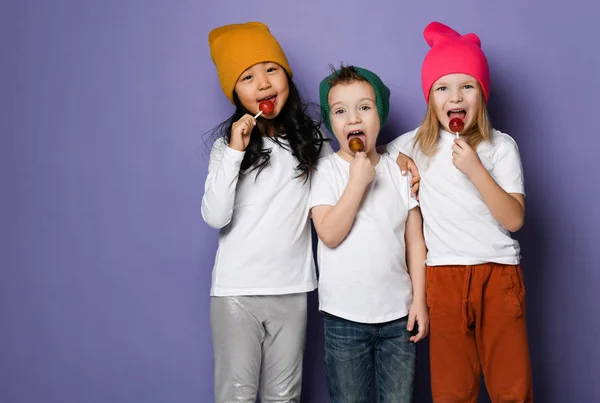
x: 105, y: 258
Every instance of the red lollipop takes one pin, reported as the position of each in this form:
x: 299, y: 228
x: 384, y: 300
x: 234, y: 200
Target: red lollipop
x: 456, y: 126
x: 266, y: 106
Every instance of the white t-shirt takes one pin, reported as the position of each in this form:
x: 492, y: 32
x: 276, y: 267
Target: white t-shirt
x: 365, y: 279
x: 265, y: 245
x: 457, y: 224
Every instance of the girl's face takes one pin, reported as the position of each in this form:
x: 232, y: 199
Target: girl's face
x: 456, y: 96
x: 265, y: 80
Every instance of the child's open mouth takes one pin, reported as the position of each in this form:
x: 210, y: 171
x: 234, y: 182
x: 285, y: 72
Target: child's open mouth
x: 457, y: 113
x: 358, y: 133
x: 270, y: 98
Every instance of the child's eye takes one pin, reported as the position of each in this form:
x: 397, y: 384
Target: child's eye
x: 468, y: 87
x: 338, y: 111
x: 364, y: 108
x: 442, y: 88
x: 271, y: 69
x: 246, y: 78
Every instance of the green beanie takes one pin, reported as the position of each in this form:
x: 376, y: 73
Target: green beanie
x: 382, y: 94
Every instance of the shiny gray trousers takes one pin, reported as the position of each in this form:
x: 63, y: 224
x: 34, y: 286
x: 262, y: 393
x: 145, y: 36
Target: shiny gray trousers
x: 258, y: 343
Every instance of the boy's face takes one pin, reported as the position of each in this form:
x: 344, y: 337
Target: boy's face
x: 456, y: 96
x: 263, y: 81
x: 353, y: 113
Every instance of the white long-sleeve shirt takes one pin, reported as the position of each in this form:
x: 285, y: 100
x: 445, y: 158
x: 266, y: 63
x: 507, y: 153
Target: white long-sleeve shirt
x: 265, y: 243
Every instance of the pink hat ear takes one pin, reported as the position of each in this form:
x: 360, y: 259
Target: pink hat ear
x: 473, y: 39
x: 436, y: 33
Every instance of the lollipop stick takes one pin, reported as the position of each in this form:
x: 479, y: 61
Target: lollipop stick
x: 456, y: 125
x: 258, y: 114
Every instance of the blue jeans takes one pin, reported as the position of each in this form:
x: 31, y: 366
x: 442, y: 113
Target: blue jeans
x: 355, y: 353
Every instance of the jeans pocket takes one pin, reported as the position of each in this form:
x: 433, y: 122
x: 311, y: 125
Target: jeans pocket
x: 346, y: 340
x: 328, y: 316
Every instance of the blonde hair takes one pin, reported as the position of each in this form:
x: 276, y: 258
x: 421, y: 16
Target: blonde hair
x: 428, y: 133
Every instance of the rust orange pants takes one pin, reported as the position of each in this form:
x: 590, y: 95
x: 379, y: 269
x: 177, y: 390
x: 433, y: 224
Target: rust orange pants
x: 477, y: 318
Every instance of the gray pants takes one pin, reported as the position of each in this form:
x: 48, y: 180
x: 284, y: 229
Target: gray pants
x: 258, y: 343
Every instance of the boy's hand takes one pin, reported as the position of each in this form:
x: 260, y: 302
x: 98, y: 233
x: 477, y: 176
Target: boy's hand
x: 465, y: 159
x: 240, y: 132
x: 362, y: 172
x: 418, y: 313
x: 407, y: 164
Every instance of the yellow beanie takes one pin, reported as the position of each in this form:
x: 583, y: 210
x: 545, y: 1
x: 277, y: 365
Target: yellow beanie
x: 236, y: 47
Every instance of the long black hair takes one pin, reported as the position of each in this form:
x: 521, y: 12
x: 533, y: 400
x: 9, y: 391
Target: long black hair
x: 295, y: 123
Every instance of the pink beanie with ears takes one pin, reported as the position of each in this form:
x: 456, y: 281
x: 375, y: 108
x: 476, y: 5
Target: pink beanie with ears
x: 452, y: 53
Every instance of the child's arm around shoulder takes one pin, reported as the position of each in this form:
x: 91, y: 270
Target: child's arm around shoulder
x: 334, y: 221
x: 402, y: 150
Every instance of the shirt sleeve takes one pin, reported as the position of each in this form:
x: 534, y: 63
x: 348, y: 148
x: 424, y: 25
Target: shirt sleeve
x: 508, y: 170
x: 412, y: 202
x: 322, y: 190
x: 402, y: 144
x: 221, y: 183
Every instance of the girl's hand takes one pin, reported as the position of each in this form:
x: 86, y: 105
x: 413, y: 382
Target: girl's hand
x: 240, y: 132
x: 407, y: 164
x: 465, y: 159
x: 418, y: 313
x: 362, y: 172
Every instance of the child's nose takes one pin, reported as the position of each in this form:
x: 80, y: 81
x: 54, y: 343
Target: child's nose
x: 263, y: 82
x: 353, y: 117
x: 456, y: 96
